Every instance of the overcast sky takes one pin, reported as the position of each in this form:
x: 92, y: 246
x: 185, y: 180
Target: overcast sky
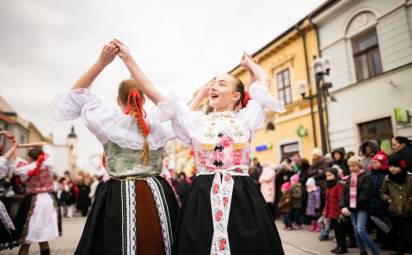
x: 47, y: 44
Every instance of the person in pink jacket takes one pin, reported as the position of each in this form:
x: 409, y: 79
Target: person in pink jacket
x: 267, y: 186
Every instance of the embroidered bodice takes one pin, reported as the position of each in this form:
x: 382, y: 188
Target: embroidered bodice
x: 220, y: 140
x: 122, y: 162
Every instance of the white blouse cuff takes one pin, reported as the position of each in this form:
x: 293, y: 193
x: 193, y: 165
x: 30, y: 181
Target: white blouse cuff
x: 68, y: 106
x: 167, y: 109
x: 260, y: 93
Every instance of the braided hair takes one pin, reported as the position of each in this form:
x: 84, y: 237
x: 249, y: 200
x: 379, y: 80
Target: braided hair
x: 132, y: 98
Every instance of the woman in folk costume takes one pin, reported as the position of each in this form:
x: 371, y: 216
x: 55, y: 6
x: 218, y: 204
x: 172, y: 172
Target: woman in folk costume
x: 38, y: 219
x: 135, y: 211
x: 222, y: 188
x: 7, y: 228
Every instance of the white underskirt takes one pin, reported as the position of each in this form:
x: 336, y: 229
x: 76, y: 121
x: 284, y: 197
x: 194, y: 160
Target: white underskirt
x: 43, y: 224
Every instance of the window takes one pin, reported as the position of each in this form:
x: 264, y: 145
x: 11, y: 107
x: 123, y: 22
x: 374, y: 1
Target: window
x: 289, y: 149
x: 270, y: 126
x: 284, y: 88
x: 366, y: 55
x: 380, y: 130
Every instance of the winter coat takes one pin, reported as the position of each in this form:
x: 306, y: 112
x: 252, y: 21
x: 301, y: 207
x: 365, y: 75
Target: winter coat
x: 375, y: 148
x: 317, y: 170
x: 333, y: 197
x: 267, y: 184
x: 341, y: 163
x: 406, y: 153
x: 398, y: 196
x: 285, y: 204
x: 296, y: 196
x: 377, y: 205
x: 364, y: 190
x: 313, y: 205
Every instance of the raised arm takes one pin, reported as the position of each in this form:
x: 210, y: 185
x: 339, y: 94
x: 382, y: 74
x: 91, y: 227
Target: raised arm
x: 201, y: 94
x: 143, y: 82
x: 107, y: 55
x: 257, y: 73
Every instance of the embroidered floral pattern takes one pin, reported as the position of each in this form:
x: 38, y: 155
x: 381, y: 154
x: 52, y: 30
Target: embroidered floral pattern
x: 223, y: 151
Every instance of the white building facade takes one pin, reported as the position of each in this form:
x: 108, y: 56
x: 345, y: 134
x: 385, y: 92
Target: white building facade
x: 369, y: 44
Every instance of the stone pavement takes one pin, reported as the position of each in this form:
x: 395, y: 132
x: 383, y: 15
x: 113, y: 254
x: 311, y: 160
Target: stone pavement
x: 296, y: 242
x: 64, y: 245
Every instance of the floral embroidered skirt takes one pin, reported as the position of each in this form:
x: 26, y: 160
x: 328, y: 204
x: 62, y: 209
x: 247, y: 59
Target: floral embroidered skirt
x: 130, y: 217
x: 251, y: 228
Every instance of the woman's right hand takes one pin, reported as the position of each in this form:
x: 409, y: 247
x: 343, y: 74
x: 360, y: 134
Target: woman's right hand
x: 108, y: 53
x: 124, y: 52
x: 204, y: 90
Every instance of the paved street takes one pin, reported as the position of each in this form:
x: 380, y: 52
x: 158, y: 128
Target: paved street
x: 297, y: 242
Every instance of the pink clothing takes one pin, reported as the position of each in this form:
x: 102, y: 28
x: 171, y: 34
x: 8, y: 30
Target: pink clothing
x: 286, y: 186
x: 382, y: 157
x: 294, y: 179
x: 267, y: 184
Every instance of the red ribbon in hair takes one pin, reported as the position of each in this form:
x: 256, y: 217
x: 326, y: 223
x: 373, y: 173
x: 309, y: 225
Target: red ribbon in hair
x: 134, y: 98
x: 246, y: 98
x: 39, y: 163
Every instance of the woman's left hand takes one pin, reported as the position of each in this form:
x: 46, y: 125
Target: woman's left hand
x: 246, y: 61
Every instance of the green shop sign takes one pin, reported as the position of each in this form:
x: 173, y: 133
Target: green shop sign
x: 301, y: 131
x: 402, y: 115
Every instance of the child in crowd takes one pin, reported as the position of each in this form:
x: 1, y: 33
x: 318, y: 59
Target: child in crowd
x: 285, y: 205
x: 355, y: 203
x: 378, y: 209
x: 331, y: 211
x: 396, y: 191
x: 313, y: 204
x: 296, y: 188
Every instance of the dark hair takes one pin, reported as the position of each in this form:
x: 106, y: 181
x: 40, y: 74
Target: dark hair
x: 181, y: 174
x: 304, y: 163
x: 287, y: 159
x: 35, y: 153
x: 402, y: 140
x: 333, y: 171
x: 239, y: 87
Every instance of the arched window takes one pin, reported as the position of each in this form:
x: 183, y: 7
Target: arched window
x: 365, y: 45
x: 270, y: 126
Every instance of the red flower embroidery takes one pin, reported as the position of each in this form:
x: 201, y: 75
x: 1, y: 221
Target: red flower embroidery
x: 238, y: 170
x: 215, y: 188
x: 219, y: 215
x: 402, y: 164
x: 226, y: 142
x: 237, y: 157
x: 202, y: 158
x: 227, y: 177
x: 222, y: 244
x: 225, y: 201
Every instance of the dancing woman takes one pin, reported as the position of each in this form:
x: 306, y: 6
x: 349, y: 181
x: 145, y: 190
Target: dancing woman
x: 224, y: 213
x: 135, y: 211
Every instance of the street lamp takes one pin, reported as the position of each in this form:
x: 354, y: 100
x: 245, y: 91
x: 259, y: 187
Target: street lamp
x: 321, y: 67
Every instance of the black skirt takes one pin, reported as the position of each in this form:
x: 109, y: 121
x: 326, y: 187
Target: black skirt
x: 8, y: 238
x: 130, y: 217
x: 251, y: 228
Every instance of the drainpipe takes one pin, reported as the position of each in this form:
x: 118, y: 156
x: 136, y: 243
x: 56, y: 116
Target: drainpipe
x: 312, y: 114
